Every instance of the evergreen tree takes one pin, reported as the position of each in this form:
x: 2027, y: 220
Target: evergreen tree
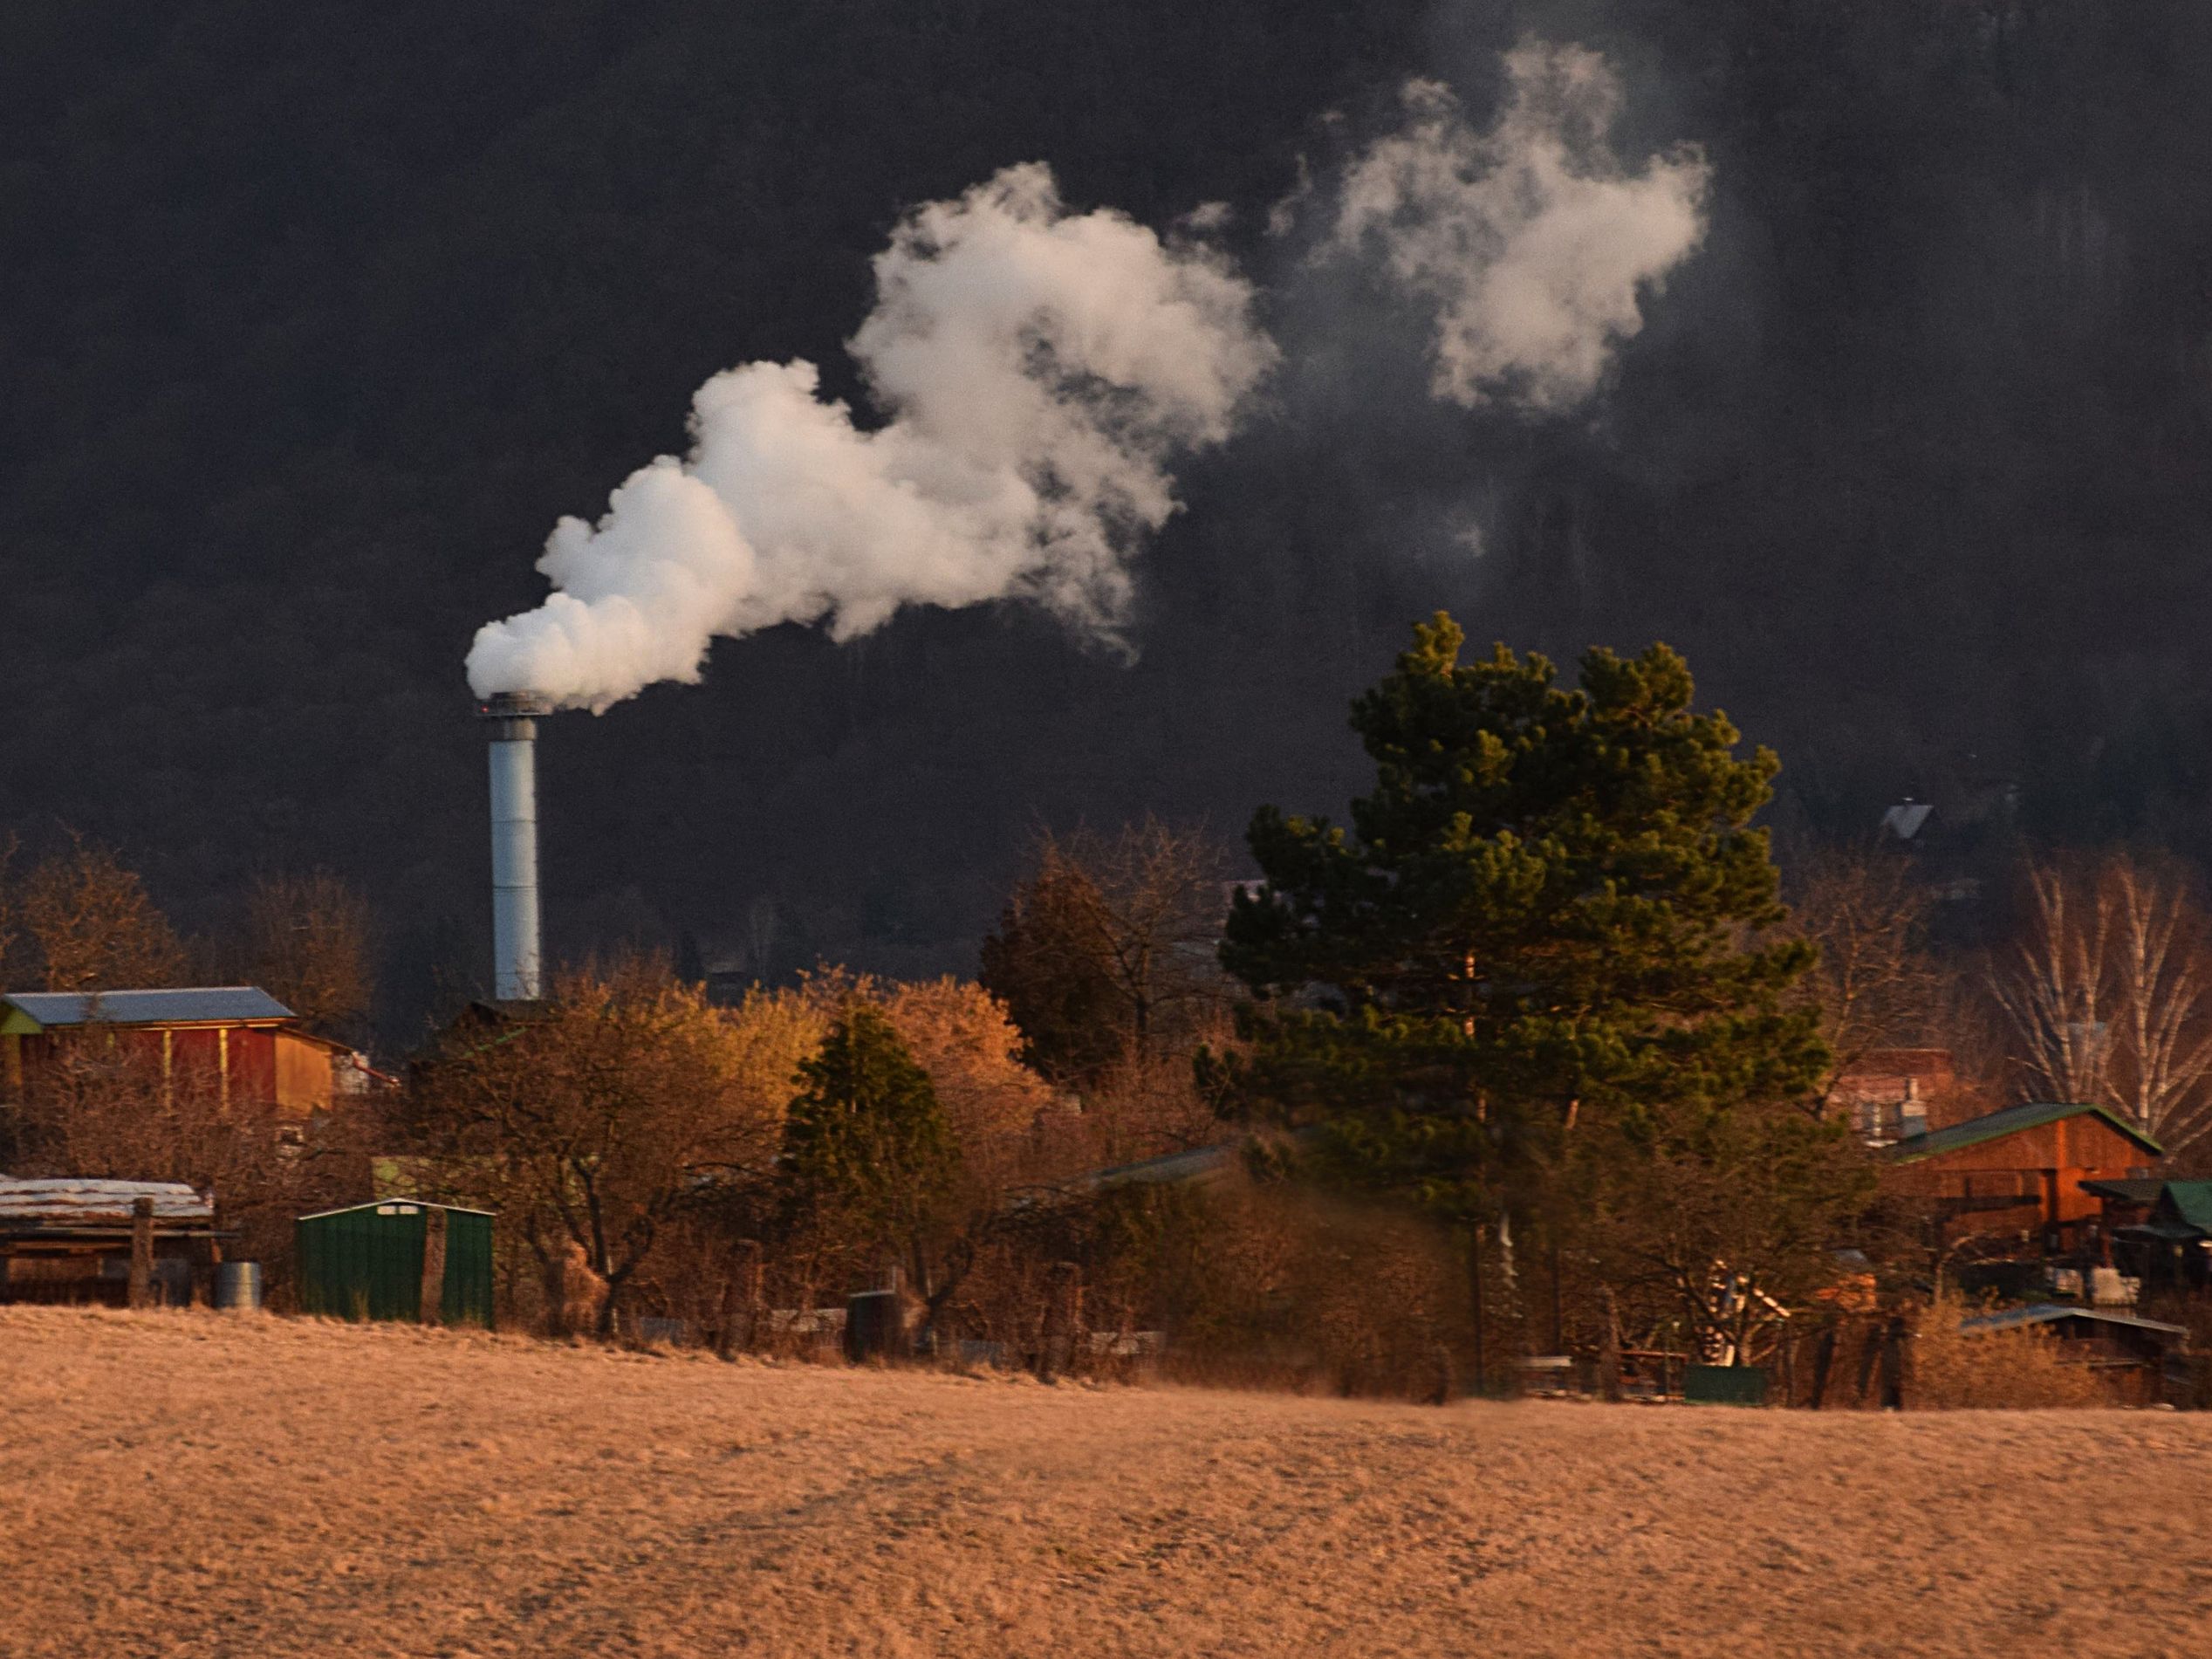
x: 867, y: 1143
x: 1551, y: 912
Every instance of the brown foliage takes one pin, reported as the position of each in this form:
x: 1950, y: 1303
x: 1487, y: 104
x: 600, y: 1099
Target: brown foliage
x: 598, y: 1122
x: 2019, y: 1369
x: 307, y: 943
x: 92, y: 926
x: 115, y: 1112
x: 1107, y: 950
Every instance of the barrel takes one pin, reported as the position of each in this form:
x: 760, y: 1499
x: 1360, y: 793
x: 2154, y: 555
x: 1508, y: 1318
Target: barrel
x: 237, y: 1285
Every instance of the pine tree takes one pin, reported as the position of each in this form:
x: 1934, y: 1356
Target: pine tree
x: 867, y: 1143
x: 1551, y: 912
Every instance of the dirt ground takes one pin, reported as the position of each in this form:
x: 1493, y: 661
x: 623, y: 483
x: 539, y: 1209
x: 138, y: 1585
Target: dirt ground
x: 199, y: 1484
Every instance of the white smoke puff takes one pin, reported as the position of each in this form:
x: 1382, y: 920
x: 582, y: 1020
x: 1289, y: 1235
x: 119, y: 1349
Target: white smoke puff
x: 1039, y: 369
x: 1532, y: 241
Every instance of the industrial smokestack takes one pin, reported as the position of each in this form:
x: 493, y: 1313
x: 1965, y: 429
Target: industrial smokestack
x: 515, y: 957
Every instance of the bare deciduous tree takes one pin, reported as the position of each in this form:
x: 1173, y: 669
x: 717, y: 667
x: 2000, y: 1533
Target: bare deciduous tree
x: 1876, y: 983
x: 600, y: 1123
x: 93, y: 926
x: 307, y: 944
x: 1106, y: 951
x: 2107, y: 991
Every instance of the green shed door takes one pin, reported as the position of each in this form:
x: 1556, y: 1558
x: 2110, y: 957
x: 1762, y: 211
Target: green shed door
x: 468, y: 1287
x: 363, y: 1264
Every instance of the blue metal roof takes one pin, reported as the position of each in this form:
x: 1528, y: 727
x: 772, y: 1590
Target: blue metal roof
x: 225, y: 1004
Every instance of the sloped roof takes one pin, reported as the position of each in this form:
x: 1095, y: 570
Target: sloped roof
x: 2013, y: 1319
x: 2192, y: 1202
x: 391, y: 1206
x: 1992, y: 1125
x: 2143, y: 1190
x: 226, y: 1003
x: 71, y: 1201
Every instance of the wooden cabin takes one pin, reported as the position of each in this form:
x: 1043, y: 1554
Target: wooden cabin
x: 2020, y: 1172
x: 2142, y: 1361
x: 69, y: 1240
x: 236, y: 1039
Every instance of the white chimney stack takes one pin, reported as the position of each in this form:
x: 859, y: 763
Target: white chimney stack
x: 515, y: 956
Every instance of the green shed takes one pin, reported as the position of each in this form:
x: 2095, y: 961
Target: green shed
x: 365, y: 1262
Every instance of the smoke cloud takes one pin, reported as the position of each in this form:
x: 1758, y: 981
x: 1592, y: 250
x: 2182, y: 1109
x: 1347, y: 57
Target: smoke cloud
x: 1038, y: 370
x: 1532, y: 241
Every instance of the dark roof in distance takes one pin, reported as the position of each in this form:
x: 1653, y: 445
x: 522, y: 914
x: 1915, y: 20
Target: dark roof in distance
x: 210, y: 1003
x: 2141, y: 1191
x: 2013, y: 1319
x: 1992, y: 1125
x: 2191, y: 1202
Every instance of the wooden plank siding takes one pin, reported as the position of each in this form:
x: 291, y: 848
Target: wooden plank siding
x: 2041, y: 1168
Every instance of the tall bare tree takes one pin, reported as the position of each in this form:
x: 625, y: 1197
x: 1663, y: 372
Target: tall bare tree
x: 2107, y: 991
x: 1876, y: 983
x: 93, y: 926
x: 1107, y: 950
x: 307, y: 943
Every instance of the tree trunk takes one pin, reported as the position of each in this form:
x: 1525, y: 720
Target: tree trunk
x: 142, y: 1285
x: 741, y: 1299
x: 431, y: 1308
x: 1063, y: 1321
x: 1609, y: 1352
x: 1475, y: 1275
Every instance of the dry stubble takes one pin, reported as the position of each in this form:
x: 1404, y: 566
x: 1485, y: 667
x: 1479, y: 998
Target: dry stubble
x: 185, y: 1483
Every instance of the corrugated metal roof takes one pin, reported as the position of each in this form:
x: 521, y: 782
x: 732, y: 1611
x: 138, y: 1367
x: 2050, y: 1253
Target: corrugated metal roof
x: 217, y: 1003
x: 71, y: 1201
x: 2048, y: 1312
x: 1993, y: 1125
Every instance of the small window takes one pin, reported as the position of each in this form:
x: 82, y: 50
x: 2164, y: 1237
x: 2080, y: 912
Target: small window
x: 407, y: 1210
x: 387, y: 1209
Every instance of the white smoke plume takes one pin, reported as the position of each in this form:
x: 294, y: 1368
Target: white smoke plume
x: 1038, y: 369
x: 1532, y: 241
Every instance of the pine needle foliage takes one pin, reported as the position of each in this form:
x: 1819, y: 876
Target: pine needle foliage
x: 1551, y: 909
x: 867, y: 1139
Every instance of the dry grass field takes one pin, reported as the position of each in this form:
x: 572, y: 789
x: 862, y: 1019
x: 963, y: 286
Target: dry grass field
x: 189, y: 1484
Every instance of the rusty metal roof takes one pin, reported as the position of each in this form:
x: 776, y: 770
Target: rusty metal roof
x: 78, y: 1201
x: 215, y: 1004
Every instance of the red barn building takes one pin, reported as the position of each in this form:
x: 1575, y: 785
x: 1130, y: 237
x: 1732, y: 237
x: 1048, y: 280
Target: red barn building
x: 235, y: 1039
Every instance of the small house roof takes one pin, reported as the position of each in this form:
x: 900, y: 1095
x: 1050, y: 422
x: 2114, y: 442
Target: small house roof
x: 2013, y: 1319
x: 393, y: 1206
x: 2142, y: 1191
x: 72, y: 1201
x: 212, y: 1004
x: 2189, y: 1203
x: 1992, y: 1125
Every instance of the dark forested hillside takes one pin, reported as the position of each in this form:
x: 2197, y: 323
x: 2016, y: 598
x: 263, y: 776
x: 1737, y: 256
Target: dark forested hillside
x: 316, y: 316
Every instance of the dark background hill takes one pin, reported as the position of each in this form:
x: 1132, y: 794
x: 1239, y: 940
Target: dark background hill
x: 316, y: 316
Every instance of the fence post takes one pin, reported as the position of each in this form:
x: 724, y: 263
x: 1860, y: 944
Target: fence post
x: 741, y: 1300
x: 141, y: 1289
x: 1609, y: 1351
x: 1062, y: 1319
x: 431, y: 1308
